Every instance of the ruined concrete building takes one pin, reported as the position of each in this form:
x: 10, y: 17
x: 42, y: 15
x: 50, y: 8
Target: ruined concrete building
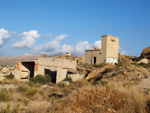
x: 57, y: 68
x: 108, y: 52
x: 60, y: 67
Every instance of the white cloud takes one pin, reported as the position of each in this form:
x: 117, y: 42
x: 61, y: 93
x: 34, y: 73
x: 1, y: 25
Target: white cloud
x: 4, y: 36
x: 47, y: 35
x: 54, y: 47
x: 27, y: 39
x: 97, y: 44
x: 124, y: 53
x: 13, y: 33
x: 51, y: 47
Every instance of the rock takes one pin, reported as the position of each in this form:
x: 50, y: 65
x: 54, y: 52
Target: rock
x: 145, y: 61
x: 65, y: 83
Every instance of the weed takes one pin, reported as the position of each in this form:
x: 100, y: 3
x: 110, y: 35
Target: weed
x: 4, y: 96
x: 32, y: 92
x: 104, y: 83
x: 31, y: 84
x: 8, y: 110
x: 22, y: 89
x: 54, y: 98
x: 100, y: 65
x: 26, y: 102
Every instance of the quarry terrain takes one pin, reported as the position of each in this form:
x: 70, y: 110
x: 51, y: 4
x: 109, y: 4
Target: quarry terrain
x: 106, y: 88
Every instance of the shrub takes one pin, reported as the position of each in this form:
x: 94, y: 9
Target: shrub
x: 21, y: 89
x: 32, y: 92
x: 4, y: 96
x: 104, y: 83
x: 114, y: 74
x: 42, y: 79
x: 69, y: 79
x: 10, y: 76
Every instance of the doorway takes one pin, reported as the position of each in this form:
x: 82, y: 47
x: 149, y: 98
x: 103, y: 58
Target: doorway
x: 29, y: 69
x: 52, y: 74
x: 94, y: 60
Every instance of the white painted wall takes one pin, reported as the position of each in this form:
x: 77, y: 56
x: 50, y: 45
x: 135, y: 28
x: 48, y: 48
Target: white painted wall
x: 111, y: 60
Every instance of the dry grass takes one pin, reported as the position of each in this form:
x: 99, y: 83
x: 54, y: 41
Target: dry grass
x: 102, y: 100
x: 83, y: 97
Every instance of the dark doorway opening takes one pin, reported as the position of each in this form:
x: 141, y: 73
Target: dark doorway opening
x: 30, y: 67
x: 52, y: 74
x: 94, y: 60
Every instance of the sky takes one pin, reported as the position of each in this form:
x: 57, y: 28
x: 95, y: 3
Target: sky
x: 54, y: 27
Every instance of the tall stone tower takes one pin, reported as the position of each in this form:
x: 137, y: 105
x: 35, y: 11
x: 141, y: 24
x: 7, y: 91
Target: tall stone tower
x: 109, y: 49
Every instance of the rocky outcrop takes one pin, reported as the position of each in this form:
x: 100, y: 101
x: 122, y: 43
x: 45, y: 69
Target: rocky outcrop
x: 145, y: 53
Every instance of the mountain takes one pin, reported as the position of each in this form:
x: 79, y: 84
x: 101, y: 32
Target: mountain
x: 12, y: 59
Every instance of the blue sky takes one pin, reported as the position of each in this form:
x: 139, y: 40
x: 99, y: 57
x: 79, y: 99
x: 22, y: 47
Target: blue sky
x: 58, y: 26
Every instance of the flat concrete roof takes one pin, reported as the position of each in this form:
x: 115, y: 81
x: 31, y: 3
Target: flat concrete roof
x: 92, y: 50
x: 109, y: 36
x: 27, y: 61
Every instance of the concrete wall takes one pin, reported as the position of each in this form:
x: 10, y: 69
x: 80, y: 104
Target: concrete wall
x: 57, y: 62
x: 76, y: 77
x: 61, y: 74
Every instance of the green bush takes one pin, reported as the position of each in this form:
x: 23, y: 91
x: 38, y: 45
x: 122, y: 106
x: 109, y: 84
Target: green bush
x: 114, y: 74
x: 69, y: 79
x: 4, y: 96
x: 10, y: 76
x: 42, y: 79
x: 32, y: 92
x: 21, y: 89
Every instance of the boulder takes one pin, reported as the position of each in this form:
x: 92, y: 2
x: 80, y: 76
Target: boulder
x: 145, y: 53
x: 145, y: 61
x: 66, y: 83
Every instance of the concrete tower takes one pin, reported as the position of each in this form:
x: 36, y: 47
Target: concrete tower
x: 109, y: 49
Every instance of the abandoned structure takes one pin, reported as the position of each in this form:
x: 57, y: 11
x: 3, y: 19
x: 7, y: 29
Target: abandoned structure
x: 57, y: 68
x: 108, y: 52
